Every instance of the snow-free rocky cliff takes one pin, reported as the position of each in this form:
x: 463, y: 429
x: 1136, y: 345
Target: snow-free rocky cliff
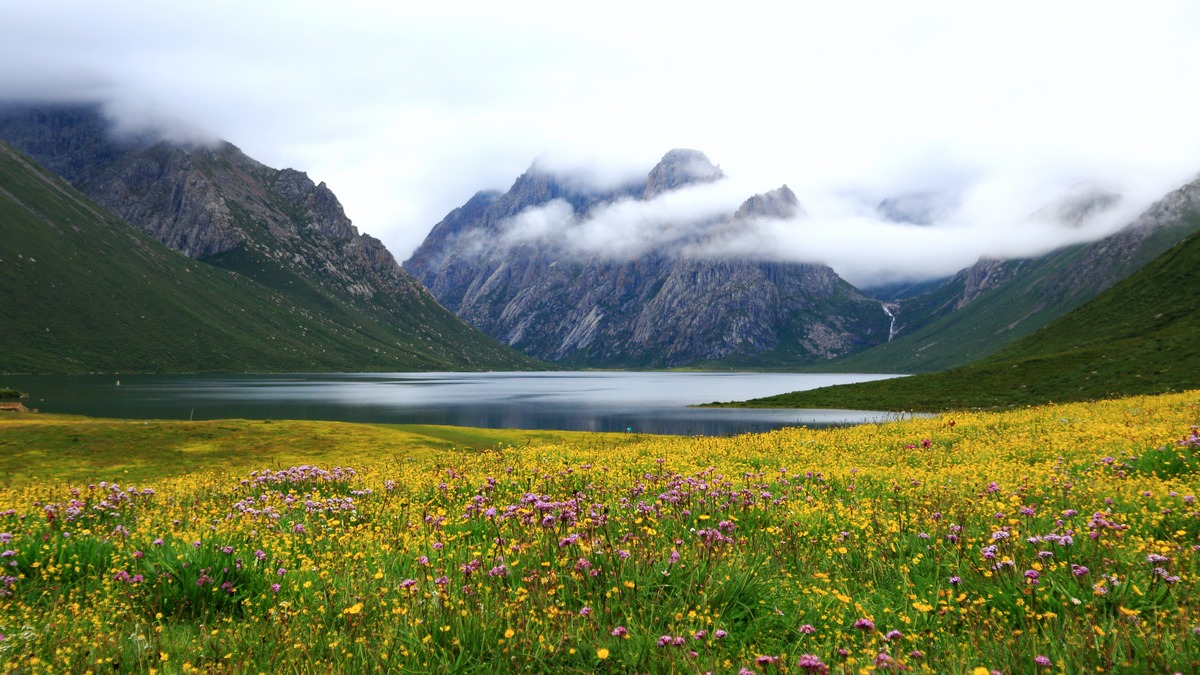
x: 662, y: 307
x: 276, y: 227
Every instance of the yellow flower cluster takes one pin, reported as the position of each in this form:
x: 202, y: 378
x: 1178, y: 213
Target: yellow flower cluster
x: 1059, y: 536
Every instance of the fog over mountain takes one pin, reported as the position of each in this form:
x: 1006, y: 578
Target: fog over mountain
x: 916, y: 136
x: 911, y: 236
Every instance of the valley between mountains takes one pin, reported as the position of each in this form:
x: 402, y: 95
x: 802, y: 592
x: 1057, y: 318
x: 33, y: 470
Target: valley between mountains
x: 139, y: 254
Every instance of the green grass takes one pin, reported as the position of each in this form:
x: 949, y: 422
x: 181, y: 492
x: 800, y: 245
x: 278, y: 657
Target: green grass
x: 1139, y: 337
x: 1048, y: 539
x: 936, y: 337
x: 85, y: 292
x: 6, y: 393
x: 35, y: 445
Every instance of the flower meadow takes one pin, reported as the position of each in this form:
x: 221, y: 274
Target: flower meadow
x: 1051, y: 539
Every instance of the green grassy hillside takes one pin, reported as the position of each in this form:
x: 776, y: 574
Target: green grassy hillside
x: 85, y: 292
x: 952, y: 326
x: 1141, y: 336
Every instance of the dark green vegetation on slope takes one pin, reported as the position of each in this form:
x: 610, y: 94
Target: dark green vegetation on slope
x: 994, y: 303
x: 83, y: 292
x: 1142, y: 336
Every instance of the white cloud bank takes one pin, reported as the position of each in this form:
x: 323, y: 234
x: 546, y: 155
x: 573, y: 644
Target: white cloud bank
x: 845, y: 230
x: 406, y: 110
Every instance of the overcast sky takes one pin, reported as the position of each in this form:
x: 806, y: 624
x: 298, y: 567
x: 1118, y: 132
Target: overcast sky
x: 407, y: 109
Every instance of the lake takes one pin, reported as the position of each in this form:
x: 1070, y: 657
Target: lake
x: 643, y: 402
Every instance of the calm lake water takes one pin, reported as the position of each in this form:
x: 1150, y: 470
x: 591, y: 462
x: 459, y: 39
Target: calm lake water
x: 653, y: 402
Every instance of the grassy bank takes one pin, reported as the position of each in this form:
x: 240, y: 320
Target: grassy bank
x: 1138, y: 337
x: 1059, y: 538
x: 84, y: 449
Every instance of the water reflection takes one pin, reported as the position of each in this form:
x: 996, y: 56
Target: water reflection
x: 588, y: 401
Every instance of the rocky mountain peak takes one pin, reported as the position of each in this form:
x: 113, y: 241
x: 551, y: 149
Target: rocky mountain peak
x: 778, y: 203
x: 680, y: 167
x: 1079, y: 206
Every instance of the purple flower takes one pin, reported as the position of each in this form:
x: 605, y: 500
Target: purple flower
x: 700, y: 635
x: 812, y: 664
x: 807, y: 629
x: 584, y: 611
x: 1078, y: 570
x: 275, y: 588
x: 227, y: 550
x: 719, y: 634
x: 955, y: 580
x: 893, y: 635
x: 619, y: 631
x: 1041, y: 661
x: 865, y: 625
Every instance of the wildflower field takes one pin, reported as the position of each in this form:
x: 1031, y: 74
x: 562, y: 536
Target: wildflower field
x: 1050, y: 539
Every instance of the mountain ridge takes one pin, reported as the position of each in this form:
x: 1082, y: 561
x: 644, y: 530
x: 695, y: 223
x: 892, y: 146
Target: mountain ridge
x: 276, y: 228
x: 647, y: 309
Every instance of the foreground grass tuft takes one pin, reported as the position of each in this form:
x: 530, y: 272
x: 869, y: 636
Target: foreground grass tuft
x: 1059, y: 538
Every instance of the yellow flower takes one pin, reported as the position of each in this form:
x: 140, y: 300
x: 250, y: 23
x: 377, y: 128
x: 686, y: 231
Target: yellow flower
x: 980, y: 670
x: 1129, y: 612
x: 353, y: 609
x: 163, y: 656
x: 509, y: 633
x: 602, y: 653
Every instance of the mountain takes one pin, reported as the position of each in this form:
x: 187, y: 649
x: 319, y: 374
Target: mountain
x: 664, y: 306
x: 289, y: 283
x: 1138, y: 337
x: 995, y: 302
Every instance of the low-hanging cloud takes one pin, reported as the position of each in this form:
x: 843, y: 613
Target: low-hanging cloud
x: 969, y: 116
x: 853, y: 231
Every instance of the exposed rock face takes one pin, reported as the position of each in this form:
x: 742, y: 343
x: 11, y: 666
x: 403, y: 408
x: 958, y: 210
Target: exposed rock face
x: 278, y: 227
x: 679, y: 168
x: 661, y: 308
x: 994, y: 302
x: 205, y: 201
